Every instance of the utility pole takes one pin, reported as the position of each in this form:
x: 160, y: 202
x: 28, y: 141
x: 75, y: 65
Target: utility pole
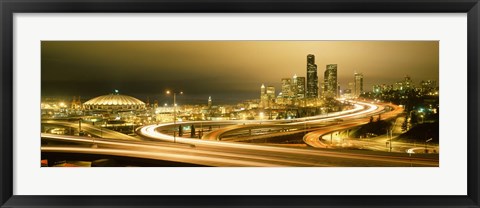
x: 201, y: 129
x: 305, y: 127
x: 174, y: 133
x: 331, y: 139
x: 391, y: 133
x: 174, y: 110
x: 426, y: 149
x: 391, y: 136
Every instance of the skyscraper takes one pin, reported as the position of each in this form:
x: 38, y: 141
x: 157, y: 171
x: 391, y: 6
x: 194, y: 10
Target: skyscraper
x: 330, y: 78
x: 358, y: 84
x: 427, y: 86
x: 263, y: 97
x: 270, y: 96
x: 299, y: 83
x: 267, y: 96
x: 287, y: 88
x: 293, y: 88
x: 312, y: 77
x: 408, y: 82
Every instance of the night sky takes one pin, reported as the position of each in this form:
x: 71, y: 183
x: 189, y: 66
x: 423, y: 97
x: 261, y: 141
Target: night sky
x: 229, y: 71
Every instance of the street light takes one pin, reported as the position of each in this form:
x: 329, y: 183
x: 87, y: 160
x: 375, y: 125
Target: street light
x: 174, y: 109
x: 174, y: 104
x: 426, y: 141
x: 391, y: 134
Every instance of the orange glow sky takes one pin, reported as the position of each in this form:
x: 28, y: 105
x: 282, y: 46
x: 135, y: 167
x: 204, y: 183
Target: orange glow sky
x: 223, y: 68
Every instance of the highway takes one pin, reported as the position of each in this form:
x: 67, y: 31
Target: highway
x: 208, y: 151
x: 97, y: 131
x: 226, y: 154
x: 317, y: 138
x: 360, y: 109
x: 322, y: 157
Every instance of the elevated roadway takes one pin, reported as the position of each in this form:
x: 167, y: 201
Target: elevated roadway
x: 97, y: 131
x: 230, y: 154
x: 226, y: 154
x: 314, y: 138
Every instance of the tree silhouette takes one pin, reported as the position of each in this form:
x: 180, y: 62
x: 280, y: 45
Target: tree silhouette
x: 192, y: 131
x: 180, y: 130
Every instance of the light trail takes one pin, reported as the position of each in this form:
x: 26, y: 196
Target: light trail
x: 176, y: 149
x: 233, y: 154
x: 361, y: 109
x: 202, y: 160
x: 230, y: 154
x: 314, y: 138
x: 98, y: 131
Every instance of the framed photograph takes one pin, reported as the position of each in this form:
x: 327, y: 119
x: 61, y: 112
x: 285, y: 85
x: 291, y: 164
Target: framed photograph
x: 264, y: 103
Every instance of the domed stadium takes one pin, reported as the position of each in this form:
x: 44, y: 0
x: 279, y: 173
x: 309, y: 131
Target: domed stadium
x: 114, y: 102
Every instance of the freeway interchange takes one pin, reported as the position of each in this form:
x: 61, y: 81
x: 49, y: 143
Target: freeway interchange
x: 225, y: 144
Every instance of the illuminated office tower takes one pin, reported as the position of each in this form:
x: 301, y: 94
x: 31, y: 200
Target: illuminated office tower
x: 351, y: 91
x: 263, y: 96
x: 330, y: 79
x: 293, y: 88
x: 271, y: 95
x: 312, y: 77
x: 427, y: 86
x: 287, y: 88
x: 209, y: 101
x: 408, y: 83
x: 299, y: 83
x: 358, y: 84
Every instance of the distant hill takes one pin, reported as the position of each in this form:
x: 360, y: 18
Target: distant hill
x: 372, y: 129
x: 422, y: 132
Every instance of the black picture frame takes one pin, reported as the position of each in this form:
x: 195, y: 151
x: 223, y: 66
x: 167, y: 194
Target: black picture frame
x: 10, y: 7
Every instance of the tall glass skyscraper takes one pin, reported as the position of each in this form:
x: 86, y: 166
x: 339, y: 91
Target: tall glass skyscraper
x: 299, y: 82
x: 312, y: 77
x: 358, y: 84
x: 293, y: 88
x: 331, y: 86
x: 287, y: 88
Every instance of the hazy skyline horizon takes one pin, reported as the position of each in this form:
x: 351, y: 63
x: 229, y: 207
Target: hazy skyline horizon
x: 222, y: 68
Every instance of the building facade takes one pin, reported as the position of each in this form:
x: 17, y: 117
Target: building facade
x: 263, y: 96
x: 114, y: 103
x: 330, y: 80
x: 287, y: 88
x: 299, y: 83
x: 358, y: 90
x: 312, y: 77
x: 267, y: 96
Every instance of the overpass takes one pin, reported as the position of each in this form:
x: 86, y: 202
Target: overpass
x: 199, y: 152
x: 225, y: 154
x: 97, y: 131
x: 314, y: 138
x: 362, y: 109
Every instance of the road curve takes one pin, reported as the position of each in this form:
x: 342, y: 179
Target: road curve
x: 313, y: 139
x: 213, y: 153
x: 98, y: 131
x: 360, y: 109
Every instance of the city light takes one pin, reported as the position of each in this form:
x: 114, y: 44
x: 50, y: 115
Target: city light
x: 241, y: 108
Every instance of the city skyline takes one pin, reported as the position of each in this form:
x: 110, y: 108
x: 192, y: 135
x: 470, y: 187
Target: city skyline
x: 223, y: 68
x: 240, y: 104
